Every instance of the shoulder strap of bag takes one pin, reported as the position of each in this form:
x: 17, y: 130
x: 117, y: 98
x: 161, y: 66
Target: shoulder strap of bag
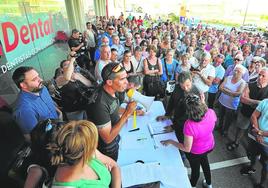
x: 174, y: 71
x: 139, y: 65
x: 166, y: 69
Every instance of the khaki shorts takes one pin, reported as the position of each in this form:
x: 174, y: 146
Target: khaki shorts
x: 242, y: 121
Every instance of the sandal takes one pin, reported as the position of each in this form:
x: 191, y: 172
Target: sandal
x: 231, y: 146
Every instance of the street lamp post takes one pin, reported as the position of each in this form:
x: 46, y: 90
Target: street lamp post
x: 246, y: 12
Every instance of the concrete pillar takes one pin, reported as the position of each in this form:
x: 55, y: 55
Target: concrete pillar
x: 100, y: 7
x: 76, y: 14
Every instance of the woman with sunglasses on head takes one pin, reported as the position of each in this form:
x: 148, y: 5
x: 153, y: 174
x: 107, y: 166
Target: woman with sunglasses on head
x: 80, y: 164
x: 255, y: 67
x: 231, y: 89
x: 198, y: 138
x: 238, y: 59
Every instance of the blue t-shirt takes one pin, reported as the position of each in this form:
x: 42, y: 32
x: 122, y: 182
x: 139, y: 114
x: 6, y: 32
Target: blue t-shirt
x: 263, y: 119
x: 171, y: 69
x: 219, y: 73
x: 97, y: 54
x: 228, y: 61
x: 30, y: 109
x: 107, y: 35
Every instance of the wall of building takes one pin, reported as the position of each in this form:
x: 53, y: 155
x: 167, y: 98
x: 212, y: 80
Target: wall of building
x: 27, y: 32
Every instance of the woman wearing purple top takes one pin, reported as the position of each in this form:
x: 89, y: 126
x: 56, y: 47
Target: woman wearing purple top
x: 198, y: 138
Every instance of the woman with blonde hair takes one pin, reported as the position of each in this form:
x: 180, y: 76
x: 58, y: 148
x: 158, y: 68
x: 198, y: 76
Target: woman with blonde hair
x: 80, y: 164
x: 214, y: 52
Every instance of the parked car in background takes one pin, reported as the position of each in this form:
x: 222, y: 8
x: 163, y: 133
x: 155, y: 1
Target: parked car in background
x: 249, y: 27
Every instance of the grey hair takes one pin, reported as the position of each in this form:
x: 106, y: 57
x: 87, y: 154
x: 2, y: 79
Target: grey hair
x: 241, y: 67
x: 104, y: 46
x: 206, y: 55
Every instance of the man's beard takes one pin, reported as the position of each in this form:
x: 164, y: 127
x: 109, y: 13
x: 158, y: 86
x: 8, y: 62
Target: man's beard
x: 38, y: 89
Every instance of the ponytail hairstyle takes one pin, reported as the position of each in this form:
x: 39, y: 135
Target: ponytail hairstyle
x: 195, y: 109
x: 41, y: 136
x: 75, y: 141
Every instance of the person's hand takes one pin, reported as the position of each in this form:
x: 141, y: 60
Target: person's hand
x: 131, y: 107
x: 140, y: 112
x: 259, y: 139
x: 196, y: 72
x: 255, y: 130
x: 166, y: 142
x: 168, y: 128
x: 60, y: 114
x: 75, y: 76
x: 202, y: 97
x: 161, y: 118
x: 72, y: 54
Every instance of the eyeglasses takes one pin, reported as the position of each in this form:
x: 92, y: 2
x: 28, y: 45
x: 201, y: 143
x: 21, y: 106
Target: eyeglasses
x: 236, y: 59
x: 110, y: 28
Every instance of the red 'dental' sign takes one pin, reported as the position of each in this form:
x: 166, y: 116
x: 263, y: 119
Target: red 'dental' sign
x: 26, y: 33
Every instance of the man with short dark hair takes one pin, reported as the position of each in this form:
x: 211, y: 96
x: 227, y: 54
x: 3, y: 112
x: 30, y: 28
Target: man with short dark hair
x: 114, y: 55
x: 34, y: 102
x: 176, y: 108
x: 104, y: 111
x: 77, y: 44
x: 109, y: 32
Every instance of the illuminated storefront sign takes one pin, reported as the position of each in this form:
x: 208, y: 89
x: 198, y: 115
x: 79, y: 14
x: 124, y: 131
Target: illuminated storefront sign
x: 22, y: 38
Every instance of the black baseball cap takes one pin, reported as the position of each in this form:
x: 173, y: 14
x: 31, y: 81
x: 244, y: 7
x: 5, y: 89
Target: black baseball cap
x: 110, y: 70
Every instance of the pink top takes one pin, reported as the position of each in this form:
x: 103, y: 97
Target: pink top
x: 202, y: 132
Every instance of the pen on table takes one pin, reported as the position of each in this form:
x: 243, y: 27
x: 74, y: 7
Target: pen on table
x: 134, y: 130
x: 140, y: 139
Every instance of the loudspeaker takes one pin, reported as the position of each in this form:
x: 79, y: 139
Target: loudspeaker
x: 138, y: 97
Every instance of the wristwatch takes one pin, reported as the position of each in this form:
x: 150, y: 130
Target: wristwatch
x: 259, y: 133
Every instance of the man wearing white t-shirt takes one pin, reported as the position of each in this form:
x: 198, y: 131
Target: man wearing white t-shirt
x: 204, y: 75
x: 105, y: 55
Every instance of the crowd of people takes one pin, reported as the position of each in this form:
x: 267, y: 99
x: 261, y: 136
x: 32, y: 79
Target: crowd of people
x: 196, y: 72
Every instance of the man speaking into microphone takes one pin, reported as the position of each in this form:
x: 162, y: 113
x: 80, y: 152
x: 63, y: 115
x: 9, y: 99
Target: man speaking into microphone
x: 104, y: 112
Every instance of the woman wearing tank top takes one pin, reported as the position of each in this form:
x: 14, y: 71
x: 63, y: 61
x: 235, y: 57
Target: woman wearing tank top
x: 153, y: 71
x: 127, y: 64
x: 231, y: 89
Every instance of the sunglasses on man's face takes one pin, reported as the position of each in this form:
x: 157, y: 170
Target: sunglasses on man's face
x: 236, y: 59
x: 110, y: 28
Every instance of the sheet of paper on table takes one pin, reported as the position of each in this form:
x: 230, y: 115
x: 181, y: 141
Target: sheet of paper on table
x: 135, y: 142
x: 167, y: 136
x: 140, y: 173
x: 158, y: 127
